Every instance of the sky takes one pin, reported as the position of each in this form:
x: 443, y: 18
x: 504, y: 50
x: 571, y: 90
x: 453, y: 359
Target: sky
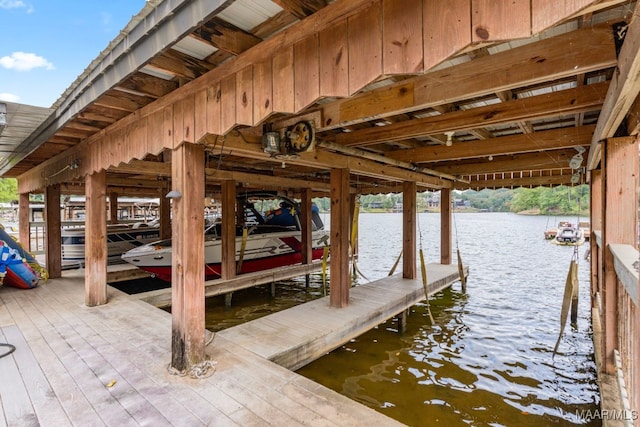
x: 46, y: 44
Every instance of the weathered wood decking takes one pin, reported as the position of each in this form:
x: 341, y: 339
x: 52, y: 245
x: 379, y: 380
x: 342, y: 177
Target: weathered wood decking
x: 294, y: 337
x: 67, y: 355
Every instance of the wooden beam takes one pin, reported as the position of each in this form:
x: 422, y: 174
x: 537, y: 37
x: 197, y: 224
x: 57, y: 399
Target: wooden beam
x: 409, y: 198
x: 187, y: 267
x: 580, y: 99
x: 340, y: 280
x: 301, y: 8
x: 623, y: 91
x: 591, y: 49
x: 550, y: 159
x: 53, y: 231
x: 513, y: 144
x: 95, y: 246
x: 226, y: 36
x: 445, y: 226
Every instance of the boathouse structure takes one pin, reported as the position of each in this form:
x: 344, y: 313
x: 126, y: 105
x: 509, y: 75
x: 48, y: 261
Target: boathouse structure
x: 208, y: 98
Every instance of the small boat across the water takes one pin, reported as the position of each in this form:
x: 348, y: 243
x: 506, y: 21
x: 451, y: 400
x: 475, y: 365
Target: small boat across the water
x: 569, y: 235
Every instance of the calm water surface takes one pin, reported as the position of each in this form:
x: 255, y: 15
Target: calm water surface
x: 488, y: 358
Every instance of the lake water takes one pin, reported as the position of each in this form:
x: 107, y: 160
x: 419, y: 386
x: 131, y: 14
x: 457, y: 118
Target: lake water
x: 488, y: 358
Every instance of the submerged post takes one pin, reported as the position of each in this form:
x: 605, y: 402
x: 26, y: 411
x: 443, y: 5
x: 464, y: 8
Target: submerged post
x: 445, y: 226
x: 409, y: 196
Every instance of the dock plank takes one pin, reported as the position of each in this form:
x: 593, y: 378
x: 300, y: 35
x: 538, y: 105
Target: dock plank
x: 14, y: 397
x: 46, y: 407
x: 369, y: 305
x: 77, y: 351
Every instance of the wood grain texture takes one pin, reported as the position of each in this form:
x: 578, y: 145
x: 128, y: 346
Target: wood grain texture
x: 244, y: 96
x: 334, y: 60
x: 447, y: 29
x: 306, y: 72
x: 402, y: 37
x: 262, y: 90
x: 445, y: 227
x: 283, y: 81
x: 96, y: 239
x: 187, y: 268
x: 365, y: 47
x: 409, y: 206
x: 497, y: 20
x: 53, y: 244
x: 339, y: 268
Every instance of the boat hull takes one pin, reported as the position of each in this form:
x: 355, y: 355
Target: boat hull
x: 262, y: 252
x: 213, y: 270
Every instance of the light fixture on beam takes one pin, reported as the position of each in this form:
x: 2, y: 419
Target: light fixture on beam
x: 449, y: 141
x: 173, y: 194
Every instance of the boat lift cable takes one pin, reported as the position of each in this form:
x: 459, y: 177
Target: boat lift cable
x: 423, y: 269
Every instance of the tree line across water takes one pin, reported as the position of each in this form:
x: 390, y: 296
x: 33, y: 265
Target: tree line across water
x: 560, y: 200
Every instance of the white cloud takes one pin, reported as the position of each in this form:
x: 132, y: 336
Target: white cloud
x: 9, y: 97
x: 15, y: 4
x: 22, y: 61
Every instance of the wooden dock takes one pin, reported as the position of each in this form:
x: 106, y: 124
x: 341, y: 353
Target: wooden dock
x: 67, y: 356
x: 107, y: 365
x: 295, y: 337
x: 162, y: 297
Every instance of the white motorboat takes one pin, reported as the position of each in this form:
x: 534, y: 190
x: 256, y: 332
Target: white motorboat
x: 120, y: 239
x: 273, y: 240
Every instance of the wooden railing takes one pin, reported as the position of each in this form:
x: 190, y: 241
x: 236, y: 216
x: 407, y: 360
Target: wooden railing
x: 627, y: 333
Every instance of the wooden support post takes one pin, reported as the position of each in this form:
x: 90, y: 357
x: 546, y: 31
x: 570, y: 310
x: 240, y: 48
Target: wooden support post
x: 339, y: 267
x: 409, y: 197
x: 402, y: 321
x: 187, y: 269
x: 95, y: 245
x: 596, y: 209
x: 620, y: 169
x: 113, y: 208
x: 164, y: 211
x: 24, y: 225
x: 353, y: 236
x: 273, y: 289
x: 227, y: 299
x: 305, y: 219
x: 445, y: 226
x: 228, y: 267
x: 53, y: 232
